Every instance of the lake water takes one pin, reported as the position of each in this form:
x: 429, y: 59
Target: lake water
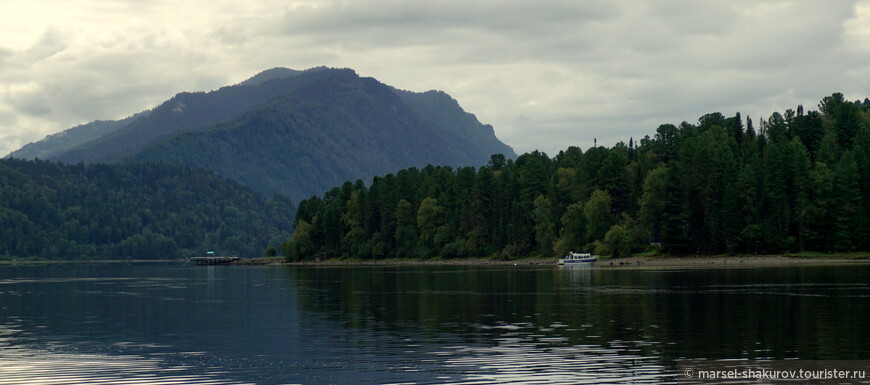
x: 161, y: 324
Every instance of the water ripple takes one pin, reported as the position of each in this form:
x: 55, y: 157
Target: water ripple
x: 25, y: 366
x: 516, y: 363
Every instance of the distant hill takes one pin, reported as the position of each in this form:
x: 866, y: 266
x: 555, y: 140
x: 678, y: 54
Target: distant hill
x: 55, y: 144
x: 274, y: 73
x: 439, y: 108
x: 185, y: 111
x: 132, y: 211
x: 291, y: 132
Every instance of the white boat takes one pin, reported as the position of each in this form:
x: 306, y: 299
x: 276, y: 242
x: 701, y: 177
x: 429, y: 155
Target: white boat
x: 573, y: 258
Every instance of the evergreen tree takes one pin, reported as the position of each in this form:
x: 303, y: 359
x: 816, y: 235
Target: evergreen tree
x: 849, y: 205
x: 302, y: 239
x: 598, y: 215
x: 544, y: 226
x: 353, y: 220
x: 573, y: 230
x: 799, y: 196
x: 406, y: 230
x: 675, y: 225
x: 430, y: 222
x: 652, y: 204
x: 820, y: 217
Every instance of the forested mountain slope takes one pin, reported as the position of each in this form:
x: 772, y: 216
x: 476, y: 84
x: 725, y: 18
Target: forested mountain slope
x: 131, y: 211
x: 341, y: 128
x: 53, y: 145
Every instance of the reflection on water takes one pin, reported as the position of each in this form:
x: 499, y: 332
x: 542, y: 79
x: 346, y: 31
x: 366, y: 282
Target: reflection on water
x: 519, y: 360
x: 415, y: 324
x: 24, y: 366
x: 576, y: 276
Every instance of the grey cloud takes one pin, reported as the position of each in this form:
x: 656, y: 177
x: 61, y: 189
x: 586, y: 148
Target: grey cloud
x: 32, y: 102
x: 53, y: 85
x: 5, y: 55
x: 230, y: 35
x: 52, y: 42
x: 488, y: 15
x: 692, y: 18
x: 445, y: 25
x: 545, y: 74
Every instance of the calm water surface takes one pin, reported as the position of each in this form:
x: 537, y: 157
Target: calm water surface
x: 154, y: 324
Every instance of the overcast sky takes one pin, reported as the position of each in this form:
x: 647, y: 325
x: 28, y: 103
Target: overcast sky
x: 545, y: 74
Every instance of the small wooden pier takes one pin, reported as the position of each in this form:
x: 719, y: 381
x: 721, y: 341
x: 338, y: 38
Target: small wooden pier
x: 212, y: 260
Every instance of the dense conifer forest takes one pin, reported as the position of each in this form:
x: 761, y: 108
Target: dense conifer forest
x: 799, y: 180
x: 131, y: 211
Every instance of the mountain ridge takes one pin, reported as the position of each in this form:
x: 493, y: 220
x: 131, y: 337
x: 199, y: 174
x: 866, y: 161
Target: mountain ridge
x: 310, y: 111
x: 386, y: 129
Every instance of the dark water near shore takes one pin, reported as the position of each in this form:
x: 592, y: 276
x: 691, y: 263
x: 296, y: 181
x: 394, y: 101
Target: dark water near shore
x: 416, y: 324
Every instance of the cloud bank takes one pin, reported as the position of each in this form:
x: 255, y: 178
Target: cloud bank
x: 546, y: 75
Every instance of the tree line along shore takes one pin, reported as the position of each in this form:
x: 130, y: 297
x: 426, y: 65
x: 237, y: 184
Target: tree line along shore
x: 794, y: 182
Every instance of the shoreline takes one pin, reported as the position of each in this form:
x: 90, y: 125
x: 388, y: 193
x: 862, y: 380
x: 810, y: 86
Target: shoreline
x: 729, y: 261
x: 626, y: 262
x: 638, y: 261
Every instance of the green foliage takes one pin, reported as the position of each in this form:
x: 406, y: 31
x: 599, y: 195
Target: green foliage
x: 544, y: 226
x: 623, y: 239
x: 849, y: 209
x: 302, y: 238
x: 652, y: 202
x: 290, y: 251
x: 406, y: 230
x: 598, y: 215
x: 573, y: 230
x: 799, y: 183
x: 135, y: 211
x: 430, y: 222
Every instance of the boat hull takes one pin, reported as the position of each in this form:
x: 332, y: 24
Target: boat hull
x: 587, y: 261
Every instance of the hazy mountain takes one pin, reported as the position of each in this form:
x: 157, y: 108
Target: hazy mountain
x: 442, y: 110
x: 333, y: 130
x: 274, y: 73
x: 184, y: 111
x: 55, y: 144
x: 292, y: 132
